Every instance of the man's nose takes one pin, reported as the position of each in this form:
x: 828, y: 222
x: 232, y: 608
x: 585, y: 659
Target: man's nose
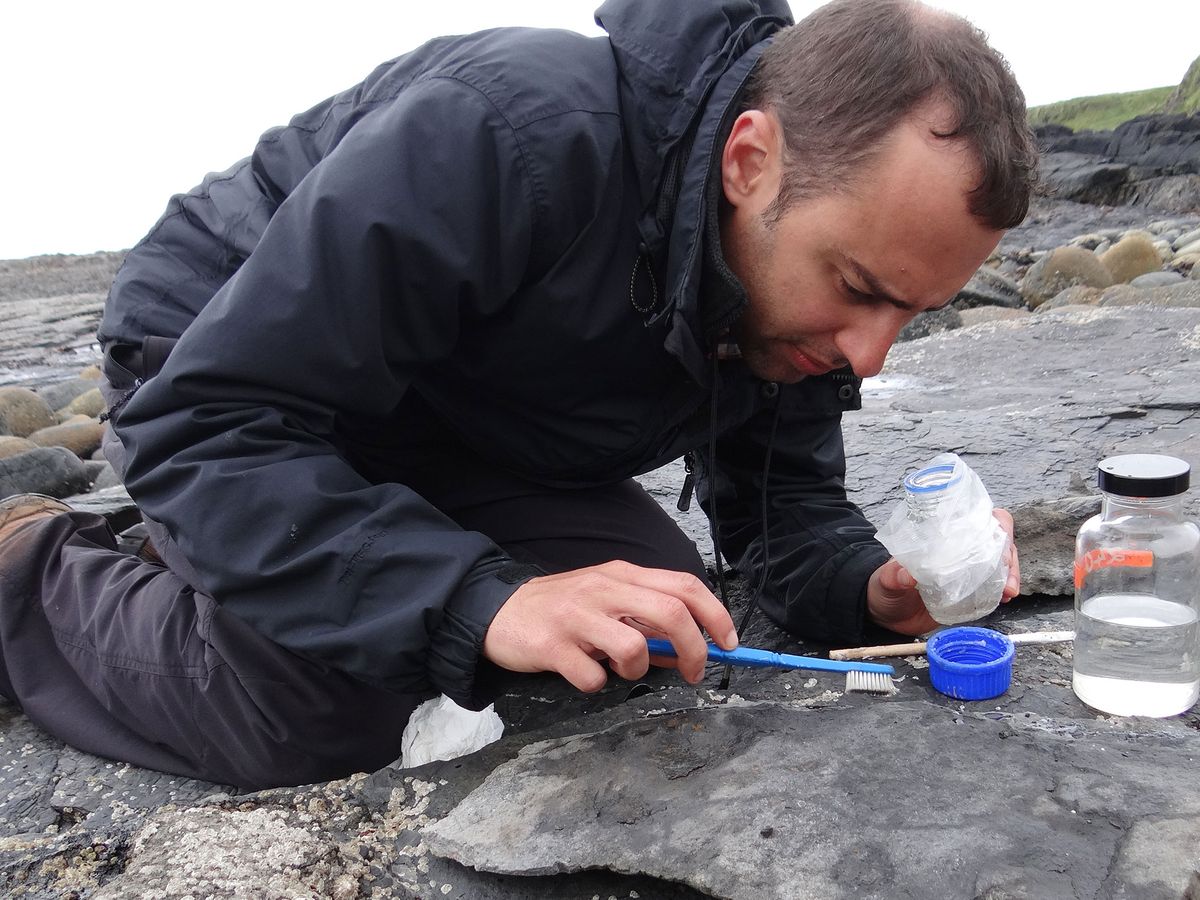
x: 865, y: 347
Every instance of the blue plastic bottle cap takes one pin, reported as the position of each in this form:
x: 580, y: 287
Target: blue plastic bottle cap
x: 970, y: 663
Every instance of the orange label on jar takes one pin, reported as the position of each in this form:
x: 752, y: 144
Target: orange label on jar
x: 1107, y: 559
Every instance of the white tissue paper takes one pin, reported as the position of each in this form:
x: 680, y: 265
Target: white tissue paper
x: 441, y: 729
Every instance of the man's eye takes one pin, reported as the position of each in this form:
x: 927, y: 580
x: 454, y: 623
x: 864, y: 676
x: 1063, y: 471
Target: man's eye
x: 855, y: 292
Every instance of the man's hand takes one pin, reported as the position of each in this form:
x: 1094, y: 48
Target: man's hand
x: 564, y: 623
x: 893, y: 601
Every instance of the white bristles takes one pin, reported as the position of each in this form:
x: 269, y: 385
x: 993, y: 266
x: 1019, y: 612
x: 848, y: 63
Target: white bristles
x: 870, y: 683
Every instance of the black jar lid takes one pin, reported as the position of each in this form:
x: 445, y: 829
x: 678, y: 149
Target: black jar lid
x: 1144, y: 475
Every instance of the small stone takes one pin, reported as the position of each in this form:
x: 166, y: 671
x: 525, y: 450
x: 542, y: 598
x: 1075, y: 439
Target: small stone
x: 1190, y: 237
x: 1059, y: 270
x: 89, y: 404
x: 1133, y: 255
x: 82, y: 439
x: 767, y: 831
x: 59, y: 395
x: 23, y: 412
x: 1193, y: 247
x: 1076, y: 295
x: 1157, y: 279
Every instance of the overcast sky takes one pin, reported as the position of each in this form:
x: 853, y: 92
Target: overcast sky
x: 110, y: 107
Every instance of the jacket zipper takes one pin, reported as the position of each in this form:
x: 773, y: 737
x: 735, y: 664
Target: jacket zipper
x: 689, y: 482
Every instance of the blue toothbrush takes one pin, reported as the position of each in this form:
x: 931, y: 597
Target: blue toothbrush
x: 874, y: 678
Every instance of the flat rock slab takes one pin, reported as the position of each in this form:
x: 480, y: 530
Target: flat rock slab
x: 895, y: 799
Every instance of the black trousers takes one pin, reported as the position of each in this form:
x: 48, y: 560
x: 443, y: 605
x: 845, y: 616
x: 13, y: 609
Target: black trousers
x: 125, y: 659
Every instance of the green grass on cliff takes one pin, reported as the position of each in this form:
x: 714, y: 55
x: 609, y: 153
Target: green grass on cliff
x: 1107, y: 111
x: 1102, y: 112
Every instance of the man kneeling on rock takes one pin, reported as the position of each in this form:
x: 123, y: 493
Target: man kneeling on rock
x: 380, y: 390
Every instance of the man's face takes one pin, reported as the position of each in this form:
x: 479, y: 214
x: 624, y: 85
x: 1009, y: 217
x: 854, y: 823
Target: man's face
x: 834, y: 279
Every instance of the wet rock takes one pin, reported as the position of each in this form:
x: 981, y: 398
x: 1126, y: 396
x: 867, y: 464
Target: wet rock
x: 1061, y: 269
x: 1133, y: 255
x: 931, y: 322
x: 23, y: 412
x: 54, y: 471
x: 11, y: 446
x: 988, y: 287
x: 81, y: 438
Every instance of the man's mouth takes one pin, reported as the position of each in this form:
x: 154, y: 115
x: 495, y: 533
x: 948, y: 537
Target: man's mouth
x: 805, y: 364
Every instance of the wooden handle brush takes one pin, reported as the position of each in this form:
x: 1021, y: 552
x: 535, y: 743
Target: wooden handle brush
x: 917, y: 648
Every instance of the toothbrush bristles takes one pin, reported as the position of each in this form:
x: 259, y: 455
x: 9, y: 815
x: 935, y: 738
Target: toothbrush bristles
x: 870, y: 683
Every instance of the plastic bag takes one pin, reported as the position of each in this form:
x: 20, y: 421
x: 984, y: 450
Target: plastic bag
x: 944, y: 533
x: 441, y: 729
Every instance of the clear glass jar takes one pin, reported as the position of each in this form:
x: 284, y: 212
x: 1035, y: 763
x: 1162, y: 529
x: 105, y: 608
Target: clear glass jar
x: 1137, y: 592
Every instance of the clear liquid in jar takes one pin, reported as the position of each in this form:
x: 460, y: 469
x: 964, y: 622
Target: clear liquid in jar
x: 1137, y: 655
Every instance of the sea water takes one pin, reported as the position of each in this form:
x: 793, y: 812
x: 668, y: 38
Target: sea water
x: 1137, y: 655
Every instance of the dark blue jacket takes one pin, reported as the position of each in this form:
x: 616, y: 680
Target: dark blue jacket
x: 505, y: 231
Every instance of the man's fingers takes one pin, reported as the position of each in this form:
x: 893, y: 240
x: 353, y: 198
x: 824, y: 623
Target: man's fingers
x: 701, y: 604
x: 895, y: 579
x: 1012, y: 586
x: 580, y: 669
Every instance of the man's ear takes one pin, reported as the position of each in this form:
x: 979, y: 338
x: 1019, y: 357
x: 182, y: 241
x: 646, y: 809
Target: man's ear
x: 752, y: 164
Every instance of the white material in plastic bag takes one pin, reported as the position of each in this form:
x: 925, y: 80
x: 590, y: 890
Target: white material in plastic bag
x: 441, y: 729
x: 944, y: 533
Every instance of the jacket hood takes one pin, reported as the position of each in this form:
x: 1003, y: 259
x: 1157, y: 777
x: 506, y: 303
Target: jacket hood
x: 670, y: 54
x: 682, y: 64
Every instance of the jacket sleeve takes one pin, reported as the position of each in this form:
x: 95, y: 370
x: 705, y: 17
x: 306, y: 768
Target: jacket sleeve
x: 822, y: 550
x: 420, y: 218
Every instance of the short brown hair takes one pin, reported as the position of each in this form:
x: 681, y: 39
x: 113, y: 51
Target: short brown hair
x: 840, y: 80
